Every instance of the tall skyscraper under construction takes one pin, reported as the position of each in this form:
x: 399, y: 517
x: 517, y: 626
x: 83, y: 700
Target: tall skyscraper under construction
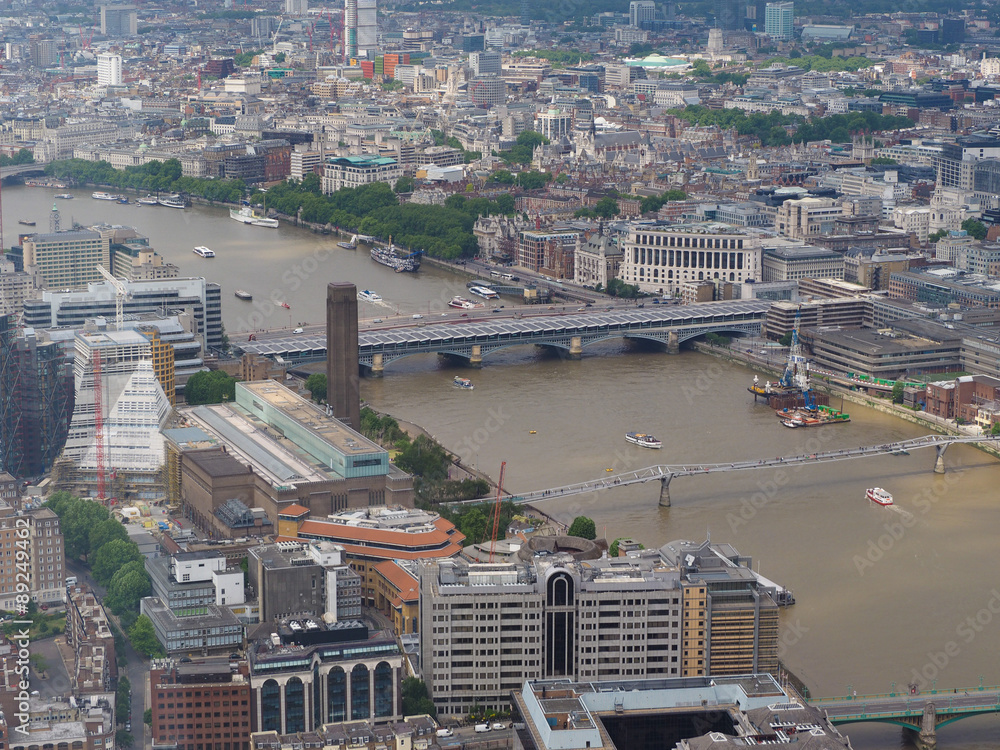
x: 360, y: 28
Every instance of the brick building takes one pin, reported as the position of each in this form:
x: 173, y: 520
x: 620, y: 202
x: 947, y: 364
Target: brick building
x: 89, y: 635
x: 201, y: 705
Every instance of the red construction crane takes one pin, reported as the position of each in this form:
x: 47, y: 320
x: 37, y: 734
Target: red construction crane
x: 496, y: 512
x: 99, y: 424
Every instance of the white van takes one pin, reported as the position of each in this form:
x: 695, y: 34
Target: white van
x: 445, y: 732
x: 482, y: 728
x: 71, y: 581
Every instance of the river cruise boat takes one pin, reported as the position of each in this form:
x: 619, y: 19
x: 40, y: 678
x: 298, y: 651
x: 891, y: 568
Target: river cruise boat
x: 464, y: 383
x: 107, y: 197
x: 464, y: 304
x: 149, y: 200
x: 642, y: 439
x: 246, y: 215
x: 204, y: 252
x: 65, y: 196
x: 171, y: 201
x: 387, y: 257
x: 484, y: 291
x: 243, y: 294
x: 878, y: 495
x: 367, y: 295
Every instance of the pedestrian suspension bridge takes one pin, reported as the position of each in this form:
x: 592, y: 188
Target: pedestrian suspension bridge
x: 664, y: 473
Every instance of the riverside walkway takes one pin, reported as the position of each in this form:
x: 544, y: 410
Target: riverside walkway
x: 664, y: 473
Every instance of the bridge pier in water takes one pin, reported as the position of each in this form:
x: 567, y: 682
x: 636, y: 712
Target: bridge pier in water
x: 576, y: 347
x: 673, y: 343
x: 378, y: 366
x: 939, y: 460
x: 927, y: 738
x: 476, y: 358
x: 665, y: 490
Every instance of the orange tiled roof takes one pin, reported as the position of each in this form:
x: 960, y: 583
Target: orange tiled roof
x: 294, y: 510
x: 402, y: 581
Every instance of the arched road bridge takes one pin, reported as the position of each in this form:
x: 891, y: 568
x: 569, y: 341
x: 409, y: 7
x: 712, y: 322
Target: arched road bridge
x: 472, y: 339
x: 918, y: 711
x: 15, y: 169
x: 664, y: 472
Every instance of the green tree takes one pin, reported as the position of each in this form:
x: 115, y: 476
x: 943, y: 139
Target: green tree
x: 938, y: 235
x: 404, y: 185
x: 995, y: 429
x: 884, y: 160
x: 786, y: 339
x: 416, y: 699
x: 39, y: 662
x: 316, y: 385
x: 143, y: 637
x: 897, y: 391
x: 583, y: 527
x: 122, y: 698
x: 112, y: 556
x: 975, y: 228
x: 106, y: 531
x: 127, y: 587
x: 147, y: 717
x: 124, y: 739
x: 424, y: 457
x: 212, y: 387
x: 606, y: 207
x: 279, y: 58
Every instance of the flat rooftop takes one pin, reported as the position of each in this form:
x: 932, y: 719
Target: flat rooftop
x: 312, y: 418
x: 251, y: 444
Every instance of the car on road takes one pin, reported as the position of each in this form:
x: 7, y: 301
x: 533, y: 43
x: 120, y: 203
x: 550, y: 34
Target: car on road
x: 581, y: 309
x: 498, y: 725
x: 377, y: 320
x: 495, y: 309
x: 418, y: 316
x: 445, y: 732
x: 297, y: 330
x: 44, y: 607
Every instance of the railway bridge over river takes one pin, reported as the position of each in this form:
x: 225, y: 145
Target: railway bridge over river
x: 664, y: 473
x: 921, y: 712
x: 483, y: 332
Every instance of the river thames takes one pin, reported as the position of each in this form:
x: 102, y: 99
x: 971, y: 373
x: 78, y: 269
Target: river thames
x: 884, y: 597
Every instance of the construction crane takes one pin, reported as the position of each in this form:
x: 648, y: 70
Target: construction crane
x: 99, y: 423
x: 121, y: 292
x: 796, y: 374
x: 496, y: 512
x: 274, y: 39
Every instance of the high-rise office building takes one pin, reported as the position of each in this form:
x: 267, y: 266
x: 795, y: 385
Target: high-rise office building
x: 779, y: 20
x: 109, y: 69
x: 67, y: 260
x: 44, y: 52
x: 952, y: 31
x: 296, y: 7
x: 44, y: 394
x: 641, y: 13
x: 360, y: 28
x: 10, y: 412
x: 119, y: 20
x: 730, y: 14
x: 485, y: 63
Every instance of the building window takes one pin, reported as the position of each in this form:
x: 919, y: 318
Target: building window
x: 336, y: 695
x: 270, y: 707
x: 360, y: 693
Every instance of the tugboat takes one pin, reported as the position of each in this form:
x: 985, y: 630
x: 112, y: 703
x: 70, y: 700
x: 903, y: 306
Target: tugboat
x: 878, y: 495
x: 463, y: 383
x: 641, y: 438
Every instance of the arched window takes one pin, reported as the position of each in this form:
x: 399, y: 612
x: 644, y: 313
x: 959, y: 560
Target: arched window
x: 560, y: 590
x: 295, y: 706
x: 270, y: 707
x: 360, y: 693
x: 383, y: 690
x: 336, y: 695
x: 317, y: 698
